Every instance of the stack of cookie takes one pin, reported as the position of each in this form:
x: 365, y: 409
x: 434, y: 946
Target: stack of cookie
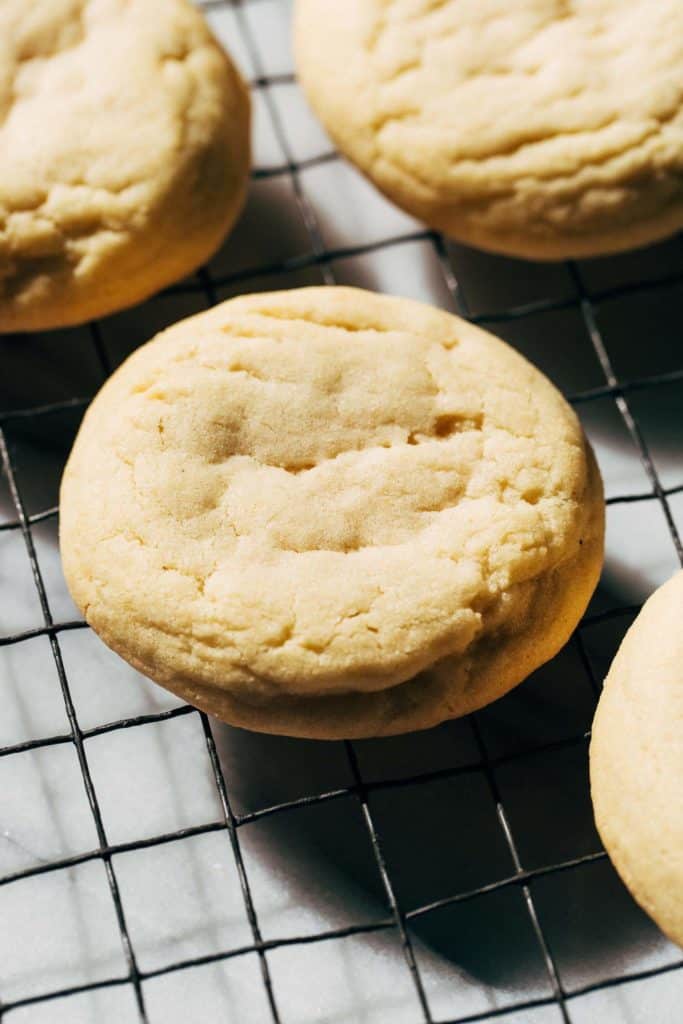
x: 329, y: 513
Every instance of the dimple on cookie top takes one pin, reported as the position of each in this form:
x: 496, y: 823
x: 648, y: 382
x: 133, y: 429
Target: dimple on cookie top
x: 540, y: 128
x: 124, y: 154
x: 323, y: 492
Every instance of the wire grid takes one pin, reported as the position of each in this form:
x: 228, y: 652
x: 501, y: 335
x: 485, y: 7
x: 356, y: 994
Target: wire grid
x: 396, y: 919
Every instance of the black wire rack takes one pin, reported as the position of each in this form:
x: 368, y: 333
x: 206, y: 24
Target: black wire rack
x: 487, y: 765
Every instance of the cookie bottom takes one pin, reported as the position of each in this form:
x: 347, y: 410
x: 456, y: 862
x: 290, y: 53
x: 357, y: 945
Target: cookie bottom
x: 450, y: 689
x: 605, y: 242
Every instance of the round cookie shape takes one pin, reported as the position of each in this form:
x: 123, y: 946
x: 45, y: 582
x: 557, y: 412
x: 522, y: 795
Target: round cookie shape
x: 124, y: 154
x: 545, y: 129
x: 636, y: 759
x: 331, y: 513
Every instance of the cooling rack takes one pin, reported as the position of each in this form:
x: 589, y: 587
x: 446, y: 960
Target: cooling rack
x: 155, y: 865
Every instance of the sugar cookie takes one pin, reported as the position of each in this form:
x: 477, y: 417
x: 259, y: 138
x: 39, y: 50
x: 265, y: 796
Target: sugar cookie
x: 331, y: 513
x: 540, y: 128
x: 636, y: 759
x: 124, y: 154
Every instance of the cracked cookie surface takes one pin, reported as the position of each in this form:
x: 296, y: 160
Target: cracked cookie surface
x: 327, y: 512
x: 636, y: 759
x: 124, y: 154
x: 545, y: 129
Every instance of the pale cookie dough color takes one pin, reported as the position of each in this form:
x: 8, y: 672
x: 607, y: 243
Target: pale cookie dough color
x: 331, y: 513
x: 124, y: 154
x: 636, y: 759
x: 545, y: 129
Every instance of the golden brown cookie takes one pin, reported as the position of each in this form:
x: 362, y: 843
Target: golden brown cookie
x: 331, y: 513
x: 540, y: 128
x: 636, y: 759
x: 124, y: 154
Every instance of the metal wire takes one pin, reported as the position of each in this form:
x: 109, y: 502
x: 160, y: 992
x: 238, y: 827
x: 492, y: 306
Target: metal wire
x: 397, y: 919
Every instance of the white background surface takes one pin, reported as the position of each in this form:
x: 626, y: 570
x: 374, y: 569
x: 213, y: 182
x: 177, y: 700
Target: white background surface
x: 312, y: 869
